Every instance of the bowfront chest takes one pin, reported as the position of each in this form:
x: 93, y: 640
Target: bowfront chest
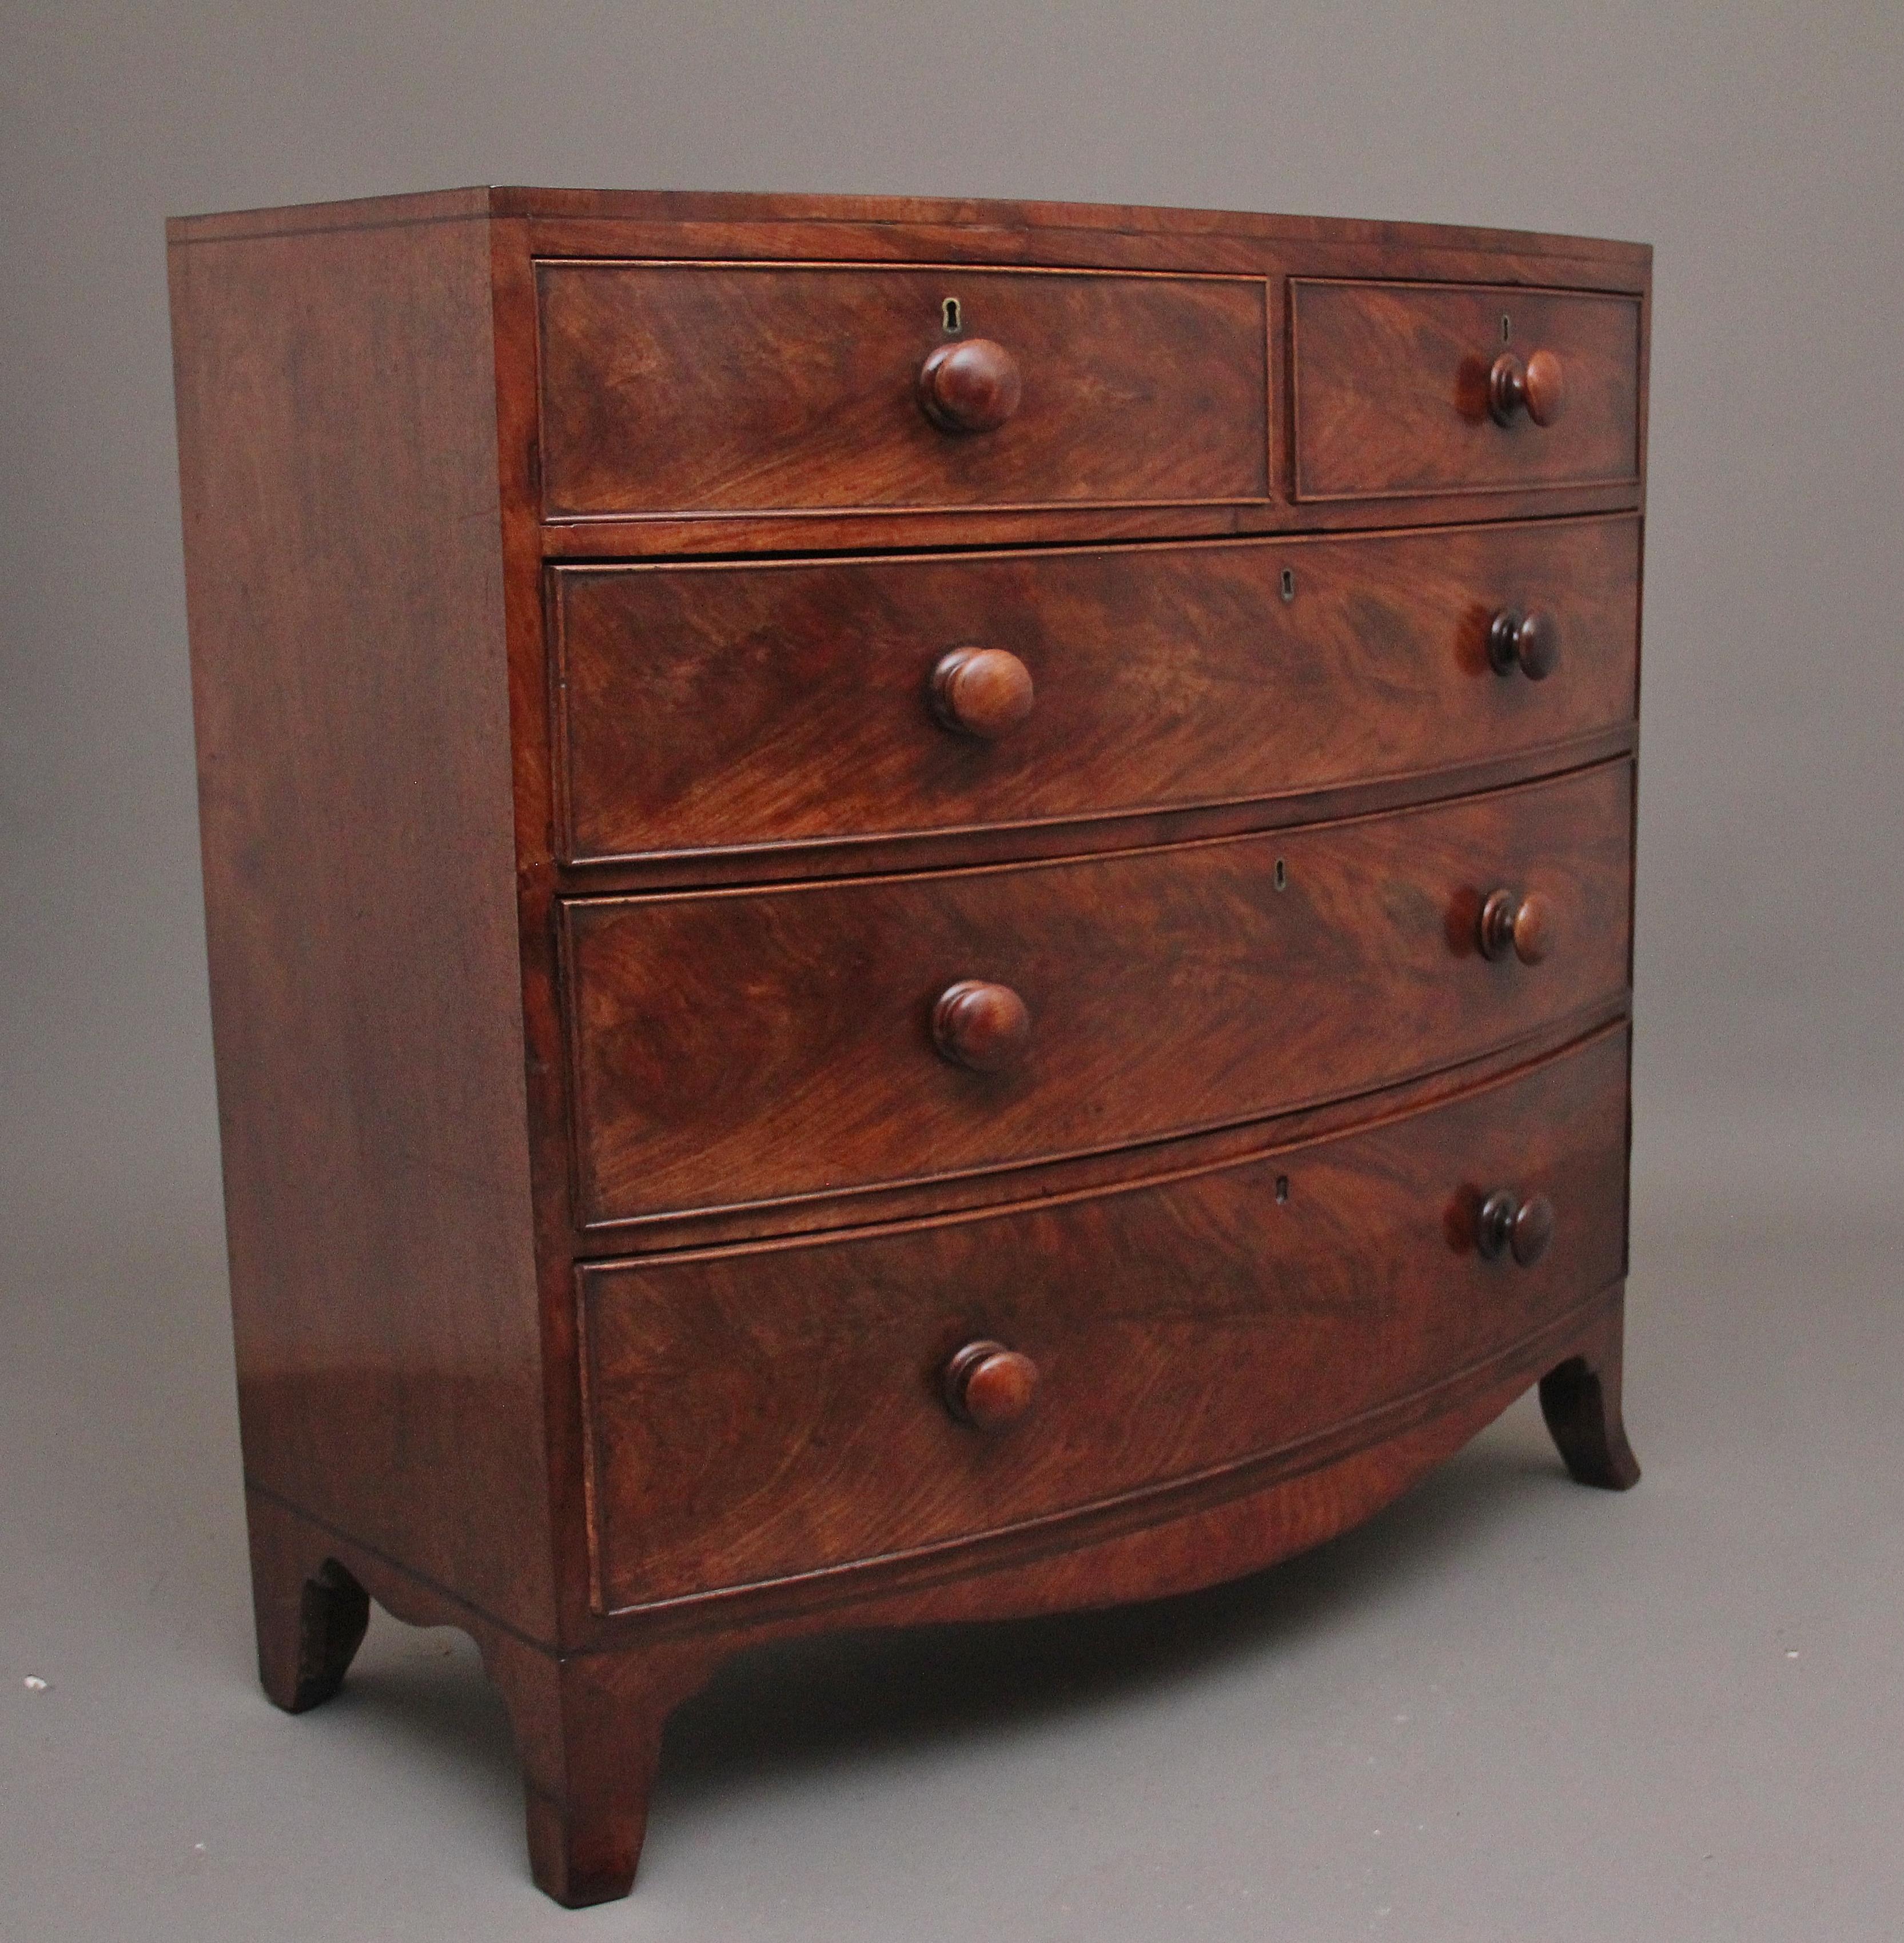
x: 917, y: 910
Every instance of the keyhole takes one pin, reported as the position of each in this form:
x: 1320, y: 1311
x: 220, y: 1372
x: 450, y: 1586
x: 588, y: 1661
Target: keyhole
x: 1282, y: 1189
x: 1282, y: 874
x: 1506, y: 327
x: 1288, y: 583
x: 952, y: 316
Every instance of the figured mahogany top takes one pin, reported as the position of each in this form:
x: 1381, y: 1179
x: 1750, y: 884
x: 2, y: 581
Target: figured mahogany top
x: 966, y: 213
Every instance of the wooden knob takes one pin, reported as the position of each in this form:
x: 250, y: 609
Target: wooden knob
x: 982, y: 1026
x: 1537, y: 387
x: 988, y: 1385
x: 971, y: 385
x: 1522, y: 1229
x: 1528, y: 642
x: 982, y: 692
x: 1522, y: 925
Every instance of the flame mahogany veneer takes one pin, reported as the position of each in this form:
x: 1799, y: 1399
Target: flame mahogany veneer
x: 917, y: 910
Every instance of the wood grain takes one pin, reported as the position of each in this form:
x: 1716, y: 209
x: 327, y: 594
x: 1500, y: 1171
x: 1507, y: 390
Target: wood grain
x: 763, y: 1412
x: 984, y: 226
x: 758, y: 704
x: 753, y: 1046
x: 588, y: 1724
x: 674, y: 388
x: 494, y: 661
x: 338, y: 466
x: 1391, y: 389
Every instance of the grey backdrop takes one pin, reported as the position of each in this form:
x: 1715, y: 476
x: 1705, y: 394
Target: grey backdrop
x: 1617, y: 1717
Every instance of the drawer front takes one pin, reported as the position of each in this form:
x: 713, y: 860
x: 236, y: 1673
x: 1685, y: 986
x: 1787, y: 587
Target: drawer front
x: 751, y: 389
x: 1394, y: 393
x: 735, y: 1048
x: 739, y: 707
x: 781, y: 1409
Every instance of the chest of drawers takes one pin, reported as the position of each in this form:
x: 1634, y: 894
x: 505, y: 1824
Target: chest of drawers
x: 917, y: 910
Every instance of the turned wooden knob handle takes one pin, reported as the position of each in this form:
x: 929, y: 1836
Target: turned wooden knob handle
x: 1522, y: 1229
x: 983, y: 1026
x: 1528, y: 642
x: 1537, y: 387
x: 971, y: 385
x: 988, y: 1385
x: 982, y: 692
x: 1522, y: 925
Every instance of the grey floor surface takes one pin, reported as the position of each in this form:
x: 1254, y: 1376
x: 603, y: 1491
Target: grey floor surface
x: 1509, y: 1708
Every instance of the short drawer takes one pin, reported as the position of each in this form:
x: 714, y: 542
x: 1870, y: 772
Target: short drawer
x: 743, y: 707
x: 791, y: 1408
x: 734, y: 388
x: 1409, y: 388
x: 735, y: 1048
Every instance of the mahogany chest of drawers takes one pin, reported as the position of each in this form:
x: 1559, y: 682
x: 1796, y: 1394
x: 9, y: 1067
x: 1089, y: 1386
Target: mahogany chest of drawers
x: 915, y: 910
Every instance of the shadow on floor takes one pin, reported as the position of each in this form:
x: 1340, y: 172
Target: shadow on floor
x: 808, y: 1704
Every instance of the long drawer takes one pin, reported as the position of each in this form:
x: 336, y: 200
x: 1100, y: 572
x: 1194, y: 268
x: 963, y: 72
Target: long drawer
x: 769, y: 704
x: 790, y: 1408
x: 733, y: 1047
x: 738, y: 388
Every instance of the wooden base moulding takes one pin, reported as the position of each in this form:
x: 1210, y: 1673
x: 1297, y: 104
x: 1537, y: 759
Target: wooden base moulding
x: 588, y: 1724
